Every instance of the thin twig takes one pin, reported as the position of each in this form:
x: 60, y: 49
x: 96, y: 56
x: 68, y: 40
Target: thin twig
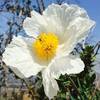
x: 96, y: 48
x: 40, y: 6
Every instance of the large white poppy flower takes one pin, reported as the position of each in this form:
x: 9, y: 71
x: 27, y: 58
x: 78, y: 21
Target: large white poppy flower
x: 55, y: 34
x: 96, y: 68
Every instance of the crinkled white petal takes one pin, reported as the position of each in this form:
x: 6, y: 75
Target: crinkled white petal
x: 70, y: 22
x: 78, y: 31
x: 20, y: 59
x: 66, y: 65
x: 34, y: 25
x: 60, y: 16
x: 50, y: 84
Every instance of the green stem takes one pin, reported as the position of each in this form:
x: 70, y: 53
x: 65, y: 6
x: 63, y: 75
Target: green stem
x: 75, y: 86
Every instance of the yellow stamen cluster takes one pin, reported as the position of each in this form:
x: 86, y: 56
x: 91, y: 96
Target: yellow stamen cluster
x: 45, y: 46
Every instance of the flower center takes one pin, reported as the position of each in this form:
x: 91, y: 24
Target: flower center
x: 45, y: 46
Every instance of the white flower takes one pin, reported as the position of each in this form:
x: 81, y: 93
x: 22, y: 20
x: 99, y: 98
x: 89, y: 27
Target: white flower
x: 59, y: 29
x: 96, y: 68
